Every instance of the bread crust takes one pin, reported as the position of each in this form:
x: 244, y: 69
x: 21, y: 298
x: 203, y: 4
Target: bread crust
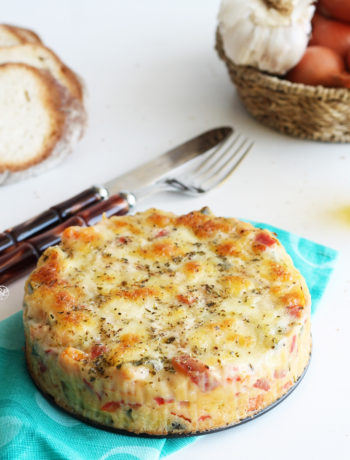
x: 65, y: 76
x: 73, y: 81
x: 62, y: 94
x: 162, y: 324
x: 11, y: 32
x: 59, y: 103
x: 25, y: 35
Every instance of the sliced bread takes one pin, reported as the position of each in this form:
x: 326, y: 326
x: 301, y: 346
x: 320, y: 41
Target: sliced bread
x: 39, y: 121
x: 9, y: 36
x: 37, y: 55
x: 26, y: 35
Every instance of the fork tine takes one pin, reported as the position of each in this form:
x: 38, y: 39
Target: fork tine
x: 226, y: 157
x: 205, y: 177
x: 234, y: 161
x: 231, y: 157
x: 215, y: 157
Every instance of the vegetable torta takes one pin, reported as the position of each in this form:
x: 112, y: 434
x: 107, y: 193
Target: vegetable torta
x: 162, y: 324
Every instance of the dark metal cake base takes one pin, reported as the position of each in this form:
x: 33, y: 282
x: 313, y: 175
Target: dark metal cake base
x: 174, y: 435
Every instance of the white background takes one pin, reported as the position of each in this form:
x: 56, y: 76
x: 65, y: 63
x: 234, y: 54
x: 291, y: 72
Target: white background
x: 154, y: 80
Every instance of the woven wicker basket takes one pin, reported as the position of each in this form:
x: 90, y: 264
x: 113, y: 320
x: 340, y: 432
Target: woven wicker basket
x: 307, y: 112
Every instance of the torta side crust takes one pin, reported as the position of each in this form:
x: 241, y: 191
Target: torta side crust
x: 163, y: 324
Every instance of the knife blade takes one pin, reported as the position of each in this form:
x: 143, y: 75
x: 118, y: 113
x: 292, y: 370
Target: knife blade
x: 148, y: 172
x: 141, y: 176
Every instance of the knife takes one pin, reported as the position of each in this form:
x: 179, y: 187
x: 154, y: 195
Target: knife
x: 109, y: 193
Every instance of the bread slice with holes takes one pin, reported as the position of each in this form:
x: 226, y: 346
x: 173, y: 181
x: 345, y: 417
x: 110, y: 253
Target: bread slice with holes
x: 37, y: 55
x: 40, y: 121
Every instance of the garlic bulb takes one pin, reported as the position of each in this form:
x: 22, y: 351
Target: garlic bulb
x: 271, y: 35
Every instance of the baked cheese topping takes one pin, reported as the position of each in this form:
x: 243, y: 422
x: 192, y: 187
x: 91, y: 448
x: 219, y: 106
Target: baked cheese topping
x: 202, y: 298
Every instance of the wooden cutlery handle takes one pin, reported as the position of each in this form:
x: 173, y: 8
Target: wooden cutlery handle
x: 18, y: 261
x: 47, y: 219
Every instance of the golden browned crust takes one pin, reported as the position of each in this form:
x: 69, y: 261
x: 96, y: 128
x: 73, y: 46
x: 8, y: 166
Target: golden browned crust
x: 72, y: 81
x: 28, y: 35
x: 58, y: 103
x: 63, y: 98
x: 14, y: 33
x: 165, y: 324
x: 52, y: 96
x: 24, y: 35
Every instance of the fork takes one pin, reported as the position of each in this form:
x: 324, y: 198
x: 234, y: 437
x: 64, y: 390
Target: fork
x: 216, y: 167
x: 210, y: 173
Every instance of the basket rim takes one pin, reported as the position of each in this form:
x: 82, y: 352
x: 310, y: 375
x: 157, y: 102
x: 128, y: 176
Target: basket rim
x: 276, y: 83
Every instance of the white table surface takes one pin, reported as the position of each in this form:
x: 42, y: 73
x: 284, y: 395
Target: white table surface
x: 154, y: 80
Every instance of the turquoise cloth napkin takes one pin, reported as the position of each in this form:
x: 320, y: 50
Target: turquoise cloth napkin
x: 33, y: 429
